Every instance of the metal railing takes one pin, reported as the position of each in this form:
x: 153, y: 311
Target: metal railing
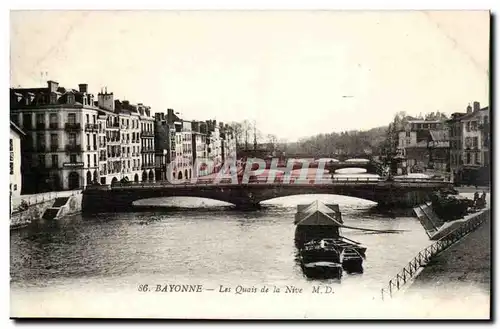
x: 425, y: 255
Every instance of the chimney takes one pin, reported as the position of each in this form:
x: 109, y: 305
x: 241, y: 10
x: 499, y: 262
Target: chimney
x: 476, y: 106
x: 52, y: 86
x: 221, y: 125
x: 83, y: 87
x: 469, y: 109
x: 170, y: 116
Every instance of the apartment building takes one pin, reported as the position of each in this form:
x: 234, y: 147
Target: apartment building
x: 214, y: 144
x: 130, y: 141
x: 200, y: 148
x: 60, y: 151
x: 228, y: 144
x: 167, y: 137
x: 16, y: 134
x: 425, y: 145
x: 470, y: 144
x: 147, y: 135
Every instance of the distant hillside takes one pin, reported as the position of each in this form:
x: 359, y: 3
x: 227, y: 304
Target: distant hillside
x: 348, y: 142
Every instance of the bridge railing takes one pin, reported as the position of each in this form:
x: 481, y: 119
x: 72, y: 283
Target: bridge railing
x: 425, y: 255
x: 312, y: 180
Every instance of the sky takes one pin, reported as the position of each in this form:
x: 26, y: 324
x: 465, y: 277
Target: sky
x: 295, y: 73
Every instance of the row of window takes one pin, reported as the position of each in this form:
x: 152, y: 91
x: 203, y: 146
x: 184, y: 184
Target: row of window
x: 27, y: 121
x: 11, y: 157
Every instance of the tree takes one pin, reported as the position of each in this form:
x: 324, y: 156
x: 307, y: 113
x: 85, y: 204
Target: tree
x: 436, y: 116
x: 238, y: 131
x: 246, y: 128
x: 272, y: 142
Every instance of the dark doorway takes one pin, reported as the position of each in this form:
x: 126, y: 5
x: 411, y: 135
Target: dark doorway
x: 73, y: 180
x: 89, y: 178
x: 136, y: 178
x: 151, y: 176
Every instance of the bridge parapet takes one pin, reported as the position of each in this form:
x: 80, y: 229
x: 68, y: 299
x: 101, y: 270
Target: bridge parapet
x: 370, y: 181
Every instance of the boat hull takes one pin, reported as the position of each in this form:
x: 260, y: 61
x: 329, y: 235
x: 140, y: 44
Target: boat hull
x: 353, y: 265
x: 322, y: 270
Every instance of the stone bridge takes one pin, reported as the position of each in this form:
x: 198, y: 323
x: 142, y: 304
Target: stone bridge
x: 385, y: 193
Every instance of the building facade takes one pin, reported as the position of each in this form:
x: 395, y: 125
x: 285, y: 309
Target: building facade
x: 16, y: 134
x: 147, y: 147
x: 470, y: 145
x: 60, y: 151
x: 73, y: 141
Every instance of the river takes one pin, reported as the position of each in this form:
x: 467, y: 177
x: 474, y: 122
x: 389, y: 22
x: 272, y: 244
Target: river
x: 93, y: 266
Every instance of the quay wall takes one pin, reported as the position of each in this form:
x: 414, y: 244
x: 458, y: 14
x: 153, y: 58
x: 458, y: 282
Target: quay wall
x: 32, y: 213
x: 38, y: 204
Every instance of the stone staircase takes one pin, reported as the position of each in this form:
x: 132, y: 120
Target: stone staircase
x: 53, y: 212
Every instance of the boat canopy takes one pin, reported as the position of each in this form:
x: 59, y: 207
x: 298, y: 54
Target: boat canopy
x: 319, y: 205
x: 318, y: 213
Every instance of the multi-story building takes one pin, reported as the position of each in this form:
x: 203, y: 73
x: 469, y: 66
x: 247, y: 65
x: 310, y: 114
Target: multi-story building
x: 200, y: 148
x: 185, y: 148
x: 60, y: 151
x: 130, y: 141
x: 167, y: 142
x: 470, y: 144
x: 110, y: 148
x: 425, y: 145
x: 228, y: 146
x: 16, y: 134
x: 147, y: 135
x: 214, y: 145
x: 455, y: 132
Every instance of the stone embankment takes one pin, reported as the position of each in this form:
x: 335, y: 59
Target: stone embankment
x: 52, y: 205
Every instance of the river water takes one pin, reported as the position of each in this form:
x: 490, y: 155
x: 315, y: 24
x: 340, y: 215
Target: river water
x: 93, y: 266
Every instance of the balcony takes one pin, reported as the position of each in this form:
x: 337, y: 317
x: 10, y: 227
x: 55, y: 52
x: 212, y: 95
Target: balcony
x: 73, y: 148
x: 102, y: 158
x: 72, y: 126
x: 54, y: 148
x: 53, y: 125
x: 91, y: 127
x: 73, y: 164
x: 40, y: 126
x: 147, y: 134
x: 147, y: 150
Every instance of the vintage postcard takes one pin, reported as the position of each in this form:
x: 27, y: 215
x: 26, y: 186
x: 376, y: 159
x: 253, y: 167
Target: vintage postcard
x: 250, y: 164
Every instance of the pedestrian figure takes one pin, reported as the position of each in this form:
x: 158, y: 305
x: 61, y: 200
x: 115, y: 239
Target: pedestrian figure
x: 476, y: 197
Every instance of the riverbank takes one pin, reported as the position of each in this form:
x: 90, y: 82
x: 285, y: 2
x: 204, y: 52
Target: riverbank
x: 458, y: 281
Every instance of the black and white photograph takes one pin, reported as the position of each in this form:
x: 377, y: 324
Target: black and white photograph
x: 250, y: 164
